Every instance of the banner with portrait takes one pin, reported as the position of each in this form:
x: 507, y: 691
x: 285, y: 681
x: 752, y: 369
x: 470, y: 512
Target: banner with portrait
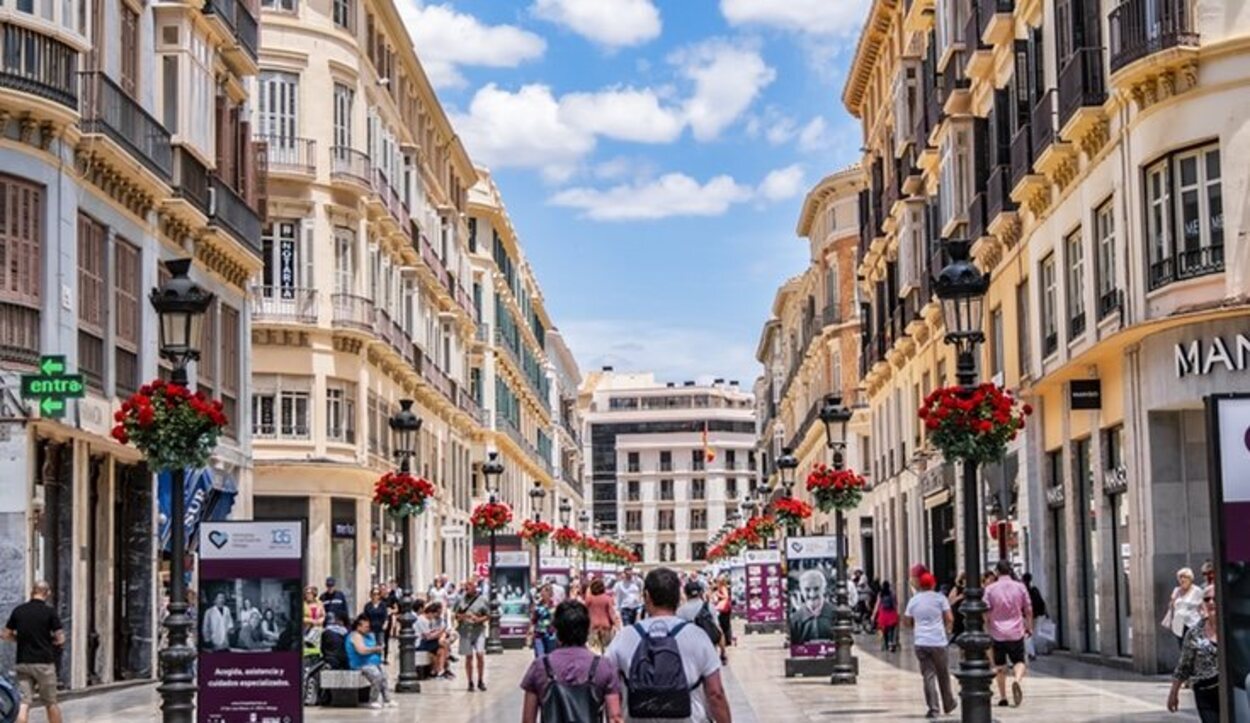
x: 765, y: 601
x: 738, y: 585
x: 512, y: 576
x: 249, y: 622
x: 810, y: 587
x: 1229, y: 430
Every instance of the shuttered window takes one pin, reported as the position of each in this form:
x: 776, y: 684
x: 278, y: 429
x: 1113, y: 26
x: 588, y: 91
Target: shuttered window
x: 126, y: 310
x: 230, y: 367
x: 92, y: 299
x: 21, y: 238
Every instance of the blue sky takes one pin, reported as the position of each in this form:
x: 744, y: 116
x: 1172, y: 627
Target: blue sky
x: 653, y: 155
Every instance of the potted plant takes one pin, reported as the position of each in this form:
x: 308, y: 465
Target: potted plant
x: 172, y: 426
x: 835, y: 489
x: 402, y: 494
x: 973, y: 424
x: 491, y: 516
x: 536, y: 532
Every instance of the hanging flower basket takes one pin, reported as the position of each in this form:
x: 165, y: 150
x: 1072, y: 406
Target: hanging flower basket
x: 173, y: 427
x: 973, y: 424
x: 764, y: 527
x: 791, y: 512
x: 402, y: 494
x: 536, y: 532
x: 566, y: 537
x: 490, y: 517
x: 835, y: 489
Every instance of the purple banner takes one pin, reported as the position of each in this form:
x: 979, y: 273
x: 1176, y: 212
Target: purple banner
x: 765, y: 601
x: 249, y: 687
x: 813, y: 650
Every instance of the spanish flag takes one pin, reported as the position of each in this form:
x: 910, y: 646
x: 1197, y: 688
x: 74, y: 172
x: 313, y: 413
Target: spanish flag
x: 708, y: 454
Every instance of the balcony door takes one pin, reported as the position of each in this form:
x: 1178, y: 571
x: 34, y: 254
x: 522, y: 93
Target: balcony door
x: 278, y: 108
x: 287, y: 255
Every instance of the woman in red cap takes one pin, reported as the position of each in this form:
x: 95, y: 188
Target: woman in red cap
x: 930, y: 614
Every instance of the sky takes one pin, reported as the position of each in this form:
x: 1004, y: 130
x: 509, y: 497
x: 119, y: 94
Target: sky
x: 653, y: 156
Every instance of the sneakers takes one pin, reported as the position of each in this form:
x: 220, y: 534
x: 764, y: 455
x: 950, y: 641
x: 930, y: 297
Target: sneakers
x: 391, y: 704
x: 1003, y: 703
x: 1017, y: 693
x: 481, y: 685
x: 448, y: 675
x: 471, y: 688
x: 376, y: 705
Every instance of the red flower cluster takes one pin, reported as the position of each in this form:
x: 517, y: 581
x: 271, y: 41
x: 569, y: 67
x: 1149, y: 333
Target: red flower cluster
x: 490, y: 516
x: 402, y: 494
x: 973, y: 424
x: 567, y: 537
x: 536, y: 532
x: 607, y: 550
x: 173, y: 426
x: 764, y: 527
x: 791, y: 512
x: 835, y: 489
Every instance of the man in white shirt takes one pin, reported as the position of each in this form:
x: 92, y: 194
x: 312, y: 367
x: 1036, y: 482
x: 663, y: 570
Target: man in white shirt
x: 661, y: 596
x: 218, y: 622
x: 628, y: 592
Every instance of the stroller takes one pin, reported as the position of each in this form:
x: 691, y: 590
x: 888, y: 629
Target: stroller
x: 310, y: 679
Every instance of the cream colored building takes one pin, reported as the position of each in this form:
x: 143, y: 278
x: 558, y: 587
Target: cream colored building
x: 1084, y: 148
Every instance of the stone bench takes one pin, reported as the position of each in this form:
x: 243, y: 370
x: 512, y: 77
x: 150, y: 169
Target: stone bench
x: 346, y: 688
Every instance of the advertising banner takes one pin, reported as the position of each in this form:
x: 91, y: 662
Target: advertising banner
x: 765, y: 602
x: 1229, y: 429
x: 810, y: 585
x: 481, y: 550
x: 512, y: 575
x: 555, y: 570
x: 738, y: 585
x: 249, y: 624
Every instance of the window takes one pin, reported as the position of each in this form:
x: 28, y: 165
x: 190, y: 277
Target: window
x: 127, y: 311
x: 341, y: 412
x: 666, y: 489
x: 278, y: 107
x: 996, y: 344
x: 731, y: 461
x: 1075, y: 250
x: 835, y: 371
x: 1113, y: 447
x: 698, y: 519
x: 731, y: 488
x: 344, y: 260
x: 286, y: 6
x: 633, y: 465
x: 206, y: 368
x: 666, y: 461
x: 698, y: 460
x: 956, y: 182
x: 92, y: 299
x: 288, y: 261
x: 698, y: 488
x: 832, y: 296
x: 665, y: 519
x: 280, y: 408
x: 1104, y: 238
x: 231, y: 367
x: 130, y: 47
x: 1050, y: 329
x: 698, y: 550
x: 633, y: 520
x: 1022, y: 328
x: 1185, y: 216
x: 345, y: 16
x: 344, y: 97
x: 632, y: 491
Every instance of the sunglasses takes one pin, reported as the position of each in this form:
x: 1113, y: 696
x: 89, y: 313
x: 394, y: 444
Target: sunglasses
x: 1208, y: 599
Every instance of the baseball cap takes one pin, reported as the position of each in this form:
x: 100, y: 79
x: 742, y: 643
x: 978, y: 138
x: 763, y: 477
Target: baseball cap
x: 693, y: 588
x: 330, y: 582
x: 918, y: 569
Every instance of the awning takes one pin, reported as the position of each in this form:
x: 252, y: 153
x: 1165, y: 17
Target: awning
x: 209, y: 495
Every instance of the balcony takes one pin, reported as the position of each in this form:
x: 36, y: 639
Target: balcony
x: 954, y: 85
x: 349, y: 165
x: 436, y: 377
x: 1050, y: 344
x: 109, y: 111
x: 1109, y: 301
x: 352, y: 312
x: 382, y: 326
x: 976, y: 217
x: 228, y: 210
x: 1081, y: 85
x: 395, y: 206
x: 1021, y: 155
x: 979, y: 55
x: 191, y: 180
x: 289, y: 155
x: 1043, y: 124
x: 33, y: 63
x: 238, y: 21
x: 831, y: 314
x: 1139, y: 28
x: 19, y: 335
x: 1187, y: 265
x: 468, y: 404
x: 283, y: 304
x: 998, y: 194
x: 996, y: 23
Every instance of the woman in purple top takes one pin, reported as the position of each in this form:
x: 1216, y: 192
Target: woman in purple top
x: 571, y: 664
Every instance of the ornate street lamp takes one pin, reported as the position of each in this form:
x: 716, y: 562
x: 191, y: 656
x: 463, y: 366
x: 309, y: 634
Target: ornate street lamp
x: 492, y: 469
x: 537, y: 493
x: 180, y: 303
x: 584, y: 518
x: 749, y: 506
x: 566, y: 512
x: 787, y: 463
x: 406, y: 425
x: 961, y: 288
x: 835, y: 416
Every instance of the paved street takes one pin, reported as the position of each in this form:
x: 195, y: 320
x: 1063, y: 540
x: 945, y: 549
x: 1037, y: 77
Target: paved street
x: 888, y: 690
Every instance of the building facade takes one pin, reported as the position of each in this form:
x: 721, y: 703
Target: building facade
x: 668, y: 463
x: 810, y: 348
x: 566, y: 452
x: 1084, y: 149
x: 124, y: 142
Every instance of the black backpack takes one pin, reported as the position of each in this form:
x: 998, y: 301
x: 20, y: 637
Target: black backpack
x: 571, y: 702
x: 657, y: 679
x: 707, y: 623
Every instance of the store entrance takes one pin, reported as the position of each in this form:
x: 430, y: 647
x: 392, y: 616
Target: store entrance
x: 943, y: 552
x: 132, y: 573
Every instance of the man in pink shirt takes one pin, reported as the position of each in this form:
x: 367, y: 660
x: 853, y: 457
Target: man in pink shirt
x: 1009, y: 621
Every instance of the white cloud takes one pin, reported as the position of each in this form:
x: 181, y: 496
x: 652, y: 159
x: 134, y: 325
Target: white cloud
x: 727, y: 79
x: 522, y: 130
x: 815, y: 135
x: 626, y: 114
x: 670, y: 195
x: 782, y: 183
x: 812, y: 17
x: 673, y: 352
x: 610, y: 23
x: 446, y: 39
x: 615, y: 169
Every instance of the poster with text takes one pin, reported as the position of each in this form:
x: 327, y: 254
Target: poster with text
x: 554, y: 571
x: 249, y: 622
x: 765, y: 601
x: 810, y: 583
x: 512, y: 575
x: 738, y: 585
x: 1230, y: 418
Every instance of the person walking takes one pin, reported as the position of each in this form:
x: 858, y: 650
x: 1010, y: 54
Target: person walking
x: 314, y: 617
x: 364, y: 654
x: 723, y: 600
x: 1185, y: 605
x: 572, y: 674
x: 604, y: 620
x: 956, y: 598
x: 644, y: 648
x: 887, y: 618
x: 541, y: 635
x: 929, y: 613
x: 1009, y: 621
x: 1199, y: 666
x: 333, y: 599
x: 472, y: 614
x: 628, y: 592
x: 1039, y: 611
x: 379, y: 614
x: 698, y: 610
x: 37, y: 630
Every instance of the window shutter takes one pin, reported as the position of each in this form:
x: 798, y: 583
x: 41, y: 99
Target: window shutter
x: 259, y: 175
x: 306, y: 279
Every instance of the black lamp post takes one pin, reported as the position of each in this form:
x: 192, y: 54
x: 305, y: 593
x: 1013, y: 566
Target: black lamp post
x: 491, y: 470
x: 584, y: 518
x: 537, y: 493
x: 566, y: 511
x: 180, y: 303
x: 406, y: 425
x: 835, y: 416
x: 961, y: 288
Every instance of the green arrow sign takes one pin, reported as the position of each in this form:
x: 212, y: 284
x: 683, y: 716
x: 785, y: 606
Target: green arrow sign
x: 52, y: 386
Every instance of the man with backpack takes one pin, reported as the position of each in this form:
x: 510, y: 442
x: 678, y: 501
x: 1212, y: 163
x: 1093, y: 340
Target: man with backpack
x: 571, y: 684
x: 670, y: 668
x: 697, y: 610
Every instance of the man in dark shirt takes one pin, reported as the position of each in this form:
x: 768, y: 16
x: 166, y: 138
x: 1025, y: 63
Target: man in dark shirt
x: 333, y: 600
x: 37, y: 630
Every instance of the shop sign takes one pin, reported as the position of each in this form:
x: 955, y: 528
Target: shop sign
x: 52, y: 386
x: 452, y: 532
x: 1198, y: 358
x: 1055, y: 496
x: 344, y: 529
x: 1115, y: 481
x: 1085, y: 394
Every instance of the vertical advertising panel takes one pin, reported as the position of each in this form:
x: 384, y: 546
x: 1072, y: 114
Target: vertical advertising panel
x: 554, y: 570
x: 250, y: 622
x: 765, y: 601
x: 810, y: 584
x: 738, y: 585
x: 1229, y: 429
x: 512, y: 575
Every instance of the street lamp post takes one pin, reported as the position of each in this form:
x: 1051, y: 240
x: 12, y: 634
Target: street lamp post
x: 566, y: 511
x: 584, y: 518
x: 961, y: 288
x: 491, y: 470
x: 537, y: 493
x: 180, y: 303
x: 406, y: 425
x: 835, y: 416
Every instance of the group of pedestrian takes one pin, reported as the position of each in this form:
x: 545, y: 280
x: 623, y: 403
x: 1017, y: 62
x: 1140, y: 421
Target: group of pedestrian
x: 1191, y: 617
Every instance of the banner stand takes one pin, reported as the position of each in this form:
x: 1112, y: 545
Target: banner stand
x: 765, y: 599
x: 512, y: 575
x: 811, y: 565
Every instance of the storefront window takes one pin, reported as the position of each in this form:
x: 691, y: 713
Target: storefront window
x: 343, y: 548
x: 1087, y: 527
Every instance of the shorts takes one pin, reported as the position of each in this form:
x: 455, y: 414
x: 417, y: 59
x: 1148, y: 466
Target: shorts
x: 37, y: 675
x: 1008, y: 652
x: 473, y: 642
x: 428, y: 646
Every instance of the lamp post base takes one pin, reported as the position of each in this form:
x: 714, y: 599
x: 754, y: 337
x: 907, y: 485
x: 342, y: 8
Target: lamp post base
x: 408, y: 680
x: 845, y: 666
x: 494, y: 646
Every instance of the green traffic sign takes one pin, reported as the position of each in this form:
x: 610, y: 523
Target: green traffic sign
x: 52, y: 386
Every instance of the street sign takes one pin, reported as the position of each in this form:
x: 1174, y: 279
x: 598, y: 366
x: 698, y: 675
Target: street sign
x: 52, y: 386
x: 452, y: 532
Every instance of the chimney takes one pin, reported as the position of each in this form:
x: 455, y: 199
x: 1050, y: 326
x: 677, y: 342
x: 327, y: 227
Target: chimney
x: 734, y: 383
x: 688, y: 384
x: 672, y: 384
